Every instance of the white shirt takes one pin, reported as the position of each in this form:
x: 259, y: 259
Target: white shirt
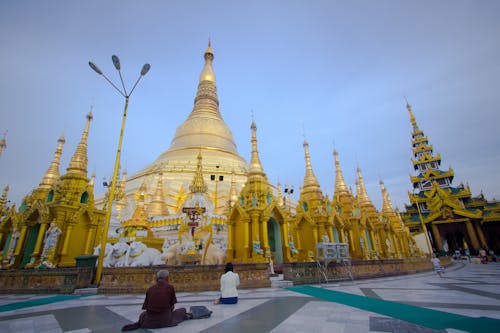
x: 228, y: 283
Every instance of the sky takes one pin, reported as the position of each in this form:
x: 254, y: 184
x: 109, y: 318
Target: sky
x: 335, y: 73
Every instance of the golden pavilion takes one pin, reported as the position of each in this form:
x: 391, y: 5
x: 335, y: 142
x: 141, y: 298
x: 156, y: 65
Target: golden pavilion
x: 452, y: 218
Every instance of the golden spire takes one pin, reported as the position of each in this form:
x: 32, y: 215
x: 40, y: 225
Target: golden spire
x: 79, y: 160
x: 157, y: 205
x: 198, y: 185
x: 340, y: 185
x: 281, y: 202
x: 233, y: 195
x: 3, y: 143
x: 386, y: 200
x: 412, y: 116
x: 310, y: 179
x: 92, y: 180
x: 205, y: 126
x: 207, y: 74
x: 3, y: 198
x: 52, y: 175
x: 255, y: 165
x: 361, y: 193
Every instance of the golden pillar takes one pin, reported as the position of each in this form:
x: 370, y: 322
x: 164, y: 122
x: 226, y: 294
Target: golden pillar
x: 20, y: 241
x: 351, y: 240
x: 437, y: 237
x: 264, y: 236
x: 372, y: 240
x: 39, y: 239
x: 315, y: 234
x: 340, y: 232
x: 229, y: 250
x: 89, y: 242
x: 330, y: 234
x: 472, y: 234
x: 479, y: 233
x: 366, y: 249
x: 285, y: 234
x: 67, y: 238
x: 299, y: 241
x: 246, y: 232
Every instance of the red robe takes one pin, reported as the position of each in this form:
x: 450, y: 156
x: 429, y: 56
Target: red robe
x: 159, y: 306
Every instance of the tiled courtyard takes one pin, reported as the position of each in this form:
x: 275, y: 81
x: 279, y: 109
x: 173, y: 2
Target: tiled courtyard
x: 469, y: 290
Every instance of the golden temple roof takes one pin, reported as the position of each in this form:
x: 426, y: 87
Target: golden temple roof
x: 52, y: 175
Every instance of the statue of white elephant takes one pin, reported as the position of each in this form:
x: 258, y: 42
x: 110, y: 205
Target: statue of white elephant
x: 118, y: 256
x: 171, y: 254
x: 141, y: 255
x: 107, y: 253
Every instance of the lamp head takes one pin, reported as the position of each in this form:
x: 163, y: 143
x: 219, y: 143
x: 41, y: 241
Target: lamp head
x: 145, y: 69
x: 95, y: 68
x: 116, y: 61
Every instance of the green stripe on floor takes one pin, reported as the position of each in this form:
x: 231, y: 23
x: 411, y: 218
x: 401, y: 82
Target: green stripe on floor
x: 38, y: 301
x: 413, y: 314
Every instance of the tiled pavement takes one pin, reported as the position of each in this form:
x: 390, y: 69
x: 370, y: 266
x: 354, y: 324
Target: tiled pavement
x: 471, y: 290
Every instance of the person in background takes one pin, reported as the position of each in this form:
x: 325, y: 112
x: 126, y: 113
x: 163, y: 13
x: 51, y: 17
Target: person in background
x: 436, y: 263
x: 159, y: 306
x: 228, y: 283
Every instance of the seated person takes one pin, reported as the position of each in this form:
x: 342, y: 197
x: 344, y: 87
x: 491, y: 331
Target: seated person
x: 159, y: 306
x: 228, y: 283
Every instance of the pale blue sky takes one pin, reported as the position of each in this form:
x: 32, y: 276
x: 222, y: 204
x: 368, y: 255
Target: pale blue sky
x: 336, y: 71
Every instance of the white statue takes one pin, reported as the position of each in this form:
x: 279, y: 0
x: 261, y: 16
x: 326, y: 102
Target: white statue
x: 171, y: 253
x: 141, y: 255
x: 215, y: 256
x: 49, y: 245
x: 118, y: 256
x: 107, y: 253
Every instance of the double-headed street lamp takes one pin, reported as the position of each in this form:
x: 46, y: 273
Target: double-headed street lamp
x: 104, y: 236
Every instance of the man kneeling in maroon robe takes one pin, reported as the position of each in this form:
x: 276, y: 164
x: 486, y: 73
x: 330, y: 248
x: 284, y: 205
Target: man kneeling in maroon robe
x: 159, y: 305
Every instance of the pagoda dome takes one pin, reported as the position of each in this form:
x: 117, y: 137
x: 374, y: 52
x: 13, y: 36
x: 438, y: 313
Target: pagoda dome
x: 204, y: 131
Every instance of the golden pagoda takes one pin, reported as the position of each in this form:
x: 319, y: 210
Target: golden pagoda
x: 203, y: 131
x: 451, y: 216
x: 199, y: 202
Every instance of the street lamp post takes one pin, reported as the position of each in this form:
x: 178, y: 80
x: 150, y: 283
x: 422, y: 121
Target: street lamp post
x: 104, y: 236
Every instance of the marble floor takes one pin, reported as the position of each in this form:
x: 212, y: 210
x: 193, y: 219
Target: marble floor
x: 466, y: 289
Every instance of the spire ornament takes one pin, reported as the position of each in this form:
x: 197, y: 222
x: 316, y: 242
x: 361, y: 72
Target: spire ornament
x: 52, y: 175
x: 198, y: 185
x: 79, y: 161
x: 255, y: 165
x: 310, y: 179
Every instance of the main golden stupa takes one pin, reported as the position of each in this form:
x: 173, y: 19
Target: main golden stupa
x: 205, y: 132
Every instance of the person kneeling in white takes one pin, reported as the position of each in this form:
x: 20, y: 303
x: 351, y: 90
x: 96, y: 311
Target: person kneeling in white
x: 228, y: 283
